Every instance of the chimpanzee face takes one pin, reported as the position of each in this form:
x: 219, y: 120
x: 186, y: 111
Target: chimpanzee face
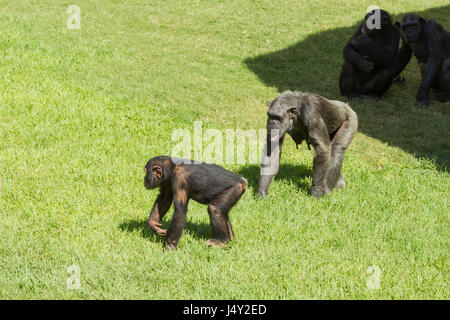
x: 281, y: 115
x: 411, y: 27
x: 370, y: 22
x: 154, y: 174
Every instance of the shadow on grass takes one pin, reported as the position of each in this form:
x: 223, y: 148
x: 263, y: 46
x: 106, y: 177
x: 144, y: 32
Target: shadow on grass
x: 288, y: 172
x: 314, y: 63
x: 198, y: 231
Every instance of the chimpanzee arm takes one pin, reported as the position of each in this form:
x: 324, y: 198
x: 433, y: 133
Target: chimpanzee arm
x: 357, y: 59
x: 351, y: 55
x: 385, y: 56
x: 160, y: 208
x: 433, y: 62
x: 354, y: 57
x: 269, y: 167
x: 175, y: 229
x: 403, y: 59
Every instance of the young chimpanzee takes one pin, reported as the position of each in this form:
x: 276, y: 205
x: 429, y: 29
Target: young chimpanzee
x: 180, y: 180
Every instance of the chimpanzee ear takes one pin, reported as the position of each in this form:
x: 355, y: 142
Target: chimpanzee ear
x: 157, y: 171
x: 398, y: 24
x: 268, y: 103
x: 421, y: 20
x: 369, y: 14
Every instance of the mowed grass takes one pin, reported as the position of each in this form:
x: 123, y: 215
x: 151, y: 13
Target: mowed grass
x: 81, y: 111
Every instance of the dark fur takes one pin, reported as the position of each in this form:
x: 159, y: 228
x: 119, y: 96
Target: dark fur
x: 205, y: 183
x: 430, y: 43
x: 328, y: 125
x: 372, y: 60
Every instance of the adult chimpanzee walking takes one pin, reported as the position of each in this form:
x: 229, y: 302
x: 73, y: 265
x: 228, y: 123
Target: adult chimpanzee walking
x: 328, y: 125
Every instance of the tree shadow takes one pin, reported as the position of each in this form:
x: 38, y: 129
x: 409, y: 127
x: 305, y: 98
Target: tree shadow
x: 199, y: 231
x: 314, y: 64
x: 294, y: 174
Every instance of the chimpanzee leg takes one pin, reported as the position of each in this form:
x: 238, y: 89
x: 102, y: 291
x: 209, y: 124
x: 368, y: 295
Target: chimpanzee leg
x: 435, y: 84
x: 378, y: 84
x: 444, y: 82
x: 218, y: 210
x: 382, y: 81
x: 348, y: 80
x: 321, y: 164
x: 339, y: 144
x: 340, y: 184
x: 176, y: 226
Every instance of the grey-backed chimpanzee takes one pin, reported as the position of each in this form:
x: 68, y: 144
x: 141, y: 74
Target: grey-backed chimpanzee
x: 180, y: 180
x: 372, y: 59
x: 329, y: 125
x: 430, y: 43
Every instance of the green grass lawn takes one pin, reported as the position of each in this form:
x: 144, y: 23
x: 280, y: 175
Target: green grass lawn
x: 81, y: 111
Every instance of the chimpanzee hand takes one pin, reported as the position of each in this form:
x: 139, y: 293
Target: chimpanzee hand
x: 156, y: 226
x: 366, y: 64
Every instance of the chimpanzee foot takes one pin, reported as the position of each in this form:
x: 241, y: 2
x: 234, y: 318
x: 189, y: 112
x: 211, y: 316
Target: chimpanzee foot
x: 170, y: 247
x: 355, y: 97
x: 261, y: 194
x: 318, y: 191
x: 340, y: 183
x: 422, y: 103
x: 371, y: 98
x: 442, y: 97
x: 216, y: 243
x: 361, y: 97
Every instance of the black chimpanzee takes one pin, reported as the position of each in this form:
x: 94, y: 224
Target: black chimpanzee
x: 372, y: 59
x: 430, y: 43
x: 329, y: 125
x: 180, y: 180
